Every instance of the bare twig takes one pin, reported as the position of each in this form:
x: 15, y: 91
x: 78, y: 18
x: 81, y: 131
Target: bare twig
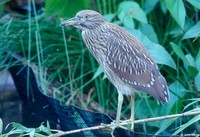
x: 126, y: 122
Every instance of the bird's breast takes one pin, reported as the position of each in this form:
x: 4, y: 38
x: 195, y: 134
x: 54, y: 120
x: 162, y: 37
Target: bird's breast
x: 95, y: 42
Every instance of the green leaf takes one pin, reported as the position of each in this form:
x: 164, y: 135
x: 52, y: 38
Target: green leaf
x: 98, y: 72
x: 129, y: 10
x: 198, y: 57
x: 1, y: 125
x: 148, y: 30
x: 61, y: 7
x: 152, y: 109
x: 128, y: 22
x: 32, y: 133
x: 195, y: 3
x: 184, y: 126
x: 176, y: 31
x: 159, y: 53
x: 197, y: 78
x: 163, y: 6
x: 193, y: 32
x: 109, y: 17
x: 178, y: 91
x: 148, y: 105
x: 48, y: 126
x: 20, y: 127
x: 149, y: 5
x: 45, y: 129
x: 197, y: 81
x: 191, y: 68
x: 179, y: 52
x: 192, y: 71
x: 165, y: 124
x: 177, y: 10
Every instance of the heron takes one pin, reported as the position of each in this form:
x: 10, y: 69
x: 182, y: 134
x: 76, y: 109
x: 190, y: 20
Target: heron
x: 123, y: 58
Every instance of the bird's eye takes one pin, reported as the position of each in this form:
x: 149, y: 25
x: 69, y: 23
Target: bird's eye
x: 86, y: 17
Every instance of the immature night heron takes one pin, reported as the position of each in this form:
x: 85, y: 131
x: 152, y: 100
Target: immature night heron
x: 125, y: 61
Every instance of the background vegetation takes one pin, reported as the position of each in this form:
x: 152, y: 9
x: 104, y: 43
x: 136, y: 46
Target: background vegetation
x: 169, y: 29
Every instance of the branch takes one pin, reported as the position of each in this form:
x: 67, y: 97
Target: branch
x: 125, y: 122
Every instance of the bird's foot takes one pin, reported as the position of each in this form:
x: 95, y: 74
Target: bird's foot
x: 113, y: 125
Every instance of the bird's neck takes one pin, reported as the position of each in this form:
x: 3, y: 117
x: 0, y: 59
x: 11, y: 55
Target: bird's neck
x: 95, y: 40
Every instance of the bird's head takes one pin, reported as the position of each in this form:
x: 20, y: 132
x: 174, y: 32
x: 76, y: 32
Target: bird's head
x: 85, y: 19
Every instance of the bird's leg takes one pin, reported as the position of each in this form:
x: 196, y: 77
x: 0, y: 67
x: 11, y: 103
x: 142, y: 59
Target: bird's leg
x: 119, y: 107
x: 132, y: 112
x: 116, y: 122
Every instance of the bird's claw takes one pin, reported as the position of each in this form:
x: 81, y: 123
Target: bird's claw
x: 113, y: 125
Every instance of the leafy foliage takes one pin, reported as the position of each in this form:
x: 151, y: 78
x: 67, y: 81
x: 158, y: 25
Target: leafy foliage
x: 177, y: 10
x: 129, y: 10
x: 20, y: 130
x: 65, y: 8
x: 169, y: 29
x: 193, y: 32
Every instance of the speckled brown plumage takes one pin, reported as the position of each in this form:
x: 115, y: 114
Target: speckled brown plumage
x: 125, y: 61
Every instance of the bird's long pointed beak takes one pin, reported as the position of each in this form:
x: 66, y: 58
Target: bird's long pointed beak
x: 70, y: 22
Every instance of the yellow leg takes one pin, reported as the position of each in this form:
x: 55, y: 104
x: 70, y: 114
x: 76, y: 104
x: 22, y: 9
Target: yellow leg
x: 132, y: 112
x: 119, y: 107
